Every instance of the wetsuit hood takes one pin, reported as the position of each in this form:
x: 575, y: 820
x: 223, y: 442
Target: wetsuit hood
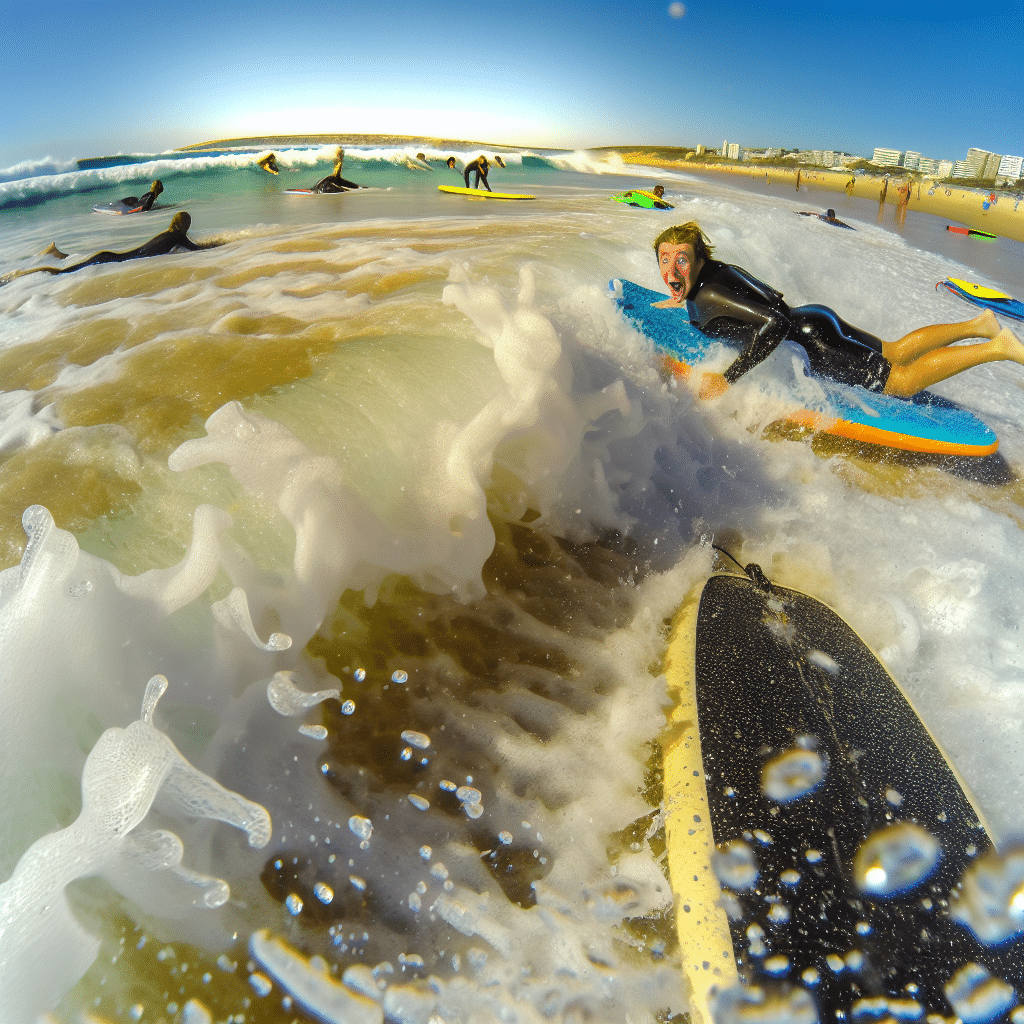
x: 181, y: 222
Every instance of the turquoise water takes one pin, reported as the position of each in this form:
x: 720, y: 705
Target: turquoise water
x: 401, y: 445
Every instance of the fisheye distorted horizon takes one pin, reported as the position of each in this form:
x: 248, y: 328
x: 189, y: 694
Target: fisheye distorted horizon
x: 797, y: 74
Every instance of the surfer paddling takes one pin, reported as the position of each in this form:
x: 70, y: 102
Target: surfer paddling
x: 334, y: 182
x: 828, y: 217
x: 139, y: 204
x: 173, y: 238
x: 725, y: 301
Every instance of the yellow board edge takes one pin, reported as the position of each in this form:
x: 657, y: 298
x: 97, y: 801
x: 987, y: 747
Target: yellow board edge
x: 705, y: 944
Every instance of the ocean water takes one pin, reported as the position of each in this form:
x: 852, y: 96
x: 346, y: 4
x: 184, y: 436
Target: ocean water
x: 399, y: 506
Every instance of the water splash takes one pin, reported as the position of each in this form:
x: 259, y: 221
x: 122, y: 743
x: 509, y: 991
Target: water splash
x: 123, y: 774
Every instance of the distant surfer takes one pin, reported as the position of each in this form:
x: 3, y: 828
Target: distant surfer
x: 139, y: 204
x: 481, y: 167
x: 725, y: 301
x: 652, y: 200
x: 450, y: 163
x: 334, y: 182
x: 829, y: 217
x: 850, y: 186
x: 173, y: 238
x: 268, y: 163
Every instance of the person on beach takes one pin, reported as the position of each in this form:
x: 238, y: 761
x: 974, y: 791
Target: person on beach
x: 903, y: 202
x: 334, y: 182
x: 268, y: 163
x: 849, y: 186
x: 481, y: 167
x: 174, y: 237
x: 140, y: 204
x: 829, y: 217
x: 724, y: 301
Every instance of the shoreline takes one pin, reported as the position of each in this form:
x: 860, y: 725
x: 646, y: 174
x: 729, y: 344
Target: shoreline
x: 961, y: 206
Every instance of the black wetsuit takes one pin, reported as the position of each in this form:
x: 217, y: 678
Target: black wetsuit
x: 834, y: 221
x: 334, y: 182
x: 159, y: 245
x: 140, y: 203
x: 727, y: 302
x: 481, y: 167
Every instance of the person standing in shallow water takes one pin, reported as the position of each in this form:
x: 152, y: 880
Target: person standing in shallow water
x: 174, y: 237
x: 480, y: 166
x: 726, y: 302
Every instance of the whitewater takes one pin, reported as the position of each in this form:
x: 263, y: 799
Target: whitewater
x: 340, y: 557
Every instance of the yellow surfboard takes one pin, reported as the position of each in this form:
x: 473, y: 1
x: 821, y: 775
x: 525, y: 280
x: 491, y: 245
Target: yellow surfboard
x: 977, y: 290
x: 480, y: 193
x: 805, y: 797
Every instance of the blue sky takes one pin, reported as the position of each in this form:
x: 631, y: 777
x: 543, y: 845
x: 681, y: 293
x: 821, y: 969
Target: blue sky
x: 95, y: 78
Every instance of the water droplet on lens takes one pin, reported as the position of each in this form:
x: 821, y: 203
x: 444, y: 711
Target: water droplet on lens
x: 977, y: 996
x: 359, y: 675
x: 360, y: 826
x: 735, y: 866
x: 895, y: 858
x: 293, y: 903
x: 348, y: 707
x: 793, y: 774
x: 417, y: 739
x: 399, y: 676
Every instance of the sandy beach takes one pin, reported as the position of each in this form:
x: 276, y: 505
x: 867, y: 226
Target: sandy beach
x: 961, y: 206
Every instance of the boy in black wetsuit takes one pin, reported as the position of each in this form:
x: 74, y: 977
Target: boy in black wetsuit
x: 726, y: 302
x: 159, y: 245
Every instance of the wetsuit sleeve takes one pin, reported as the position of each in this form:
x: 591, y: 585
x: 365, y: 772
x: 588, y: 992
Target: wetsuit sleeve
x: 146, y: 202
x: 729, y: 307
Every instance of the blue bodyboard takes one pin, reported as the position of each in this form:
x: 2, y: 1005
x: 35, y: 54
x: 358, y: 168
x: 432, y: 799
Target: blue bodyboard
x: 986, y: 298
x: 925, y: 423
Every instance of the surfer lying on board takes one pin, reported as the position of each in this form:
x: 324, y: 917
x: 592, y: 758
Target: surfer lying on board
x: 829, y: 217
x: 159, y: 245
x: 143, y: 203
x: 724, y: 301
x: 334, y: 182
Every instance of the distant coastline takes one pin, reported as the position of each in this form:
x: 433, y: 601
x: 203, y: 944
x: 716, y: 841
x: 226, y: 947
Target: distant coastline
x: 285, y: 141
